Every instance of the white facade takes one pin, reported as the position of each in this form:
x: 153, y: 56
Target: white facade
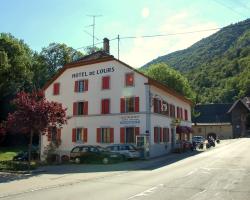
x: 145, y: 119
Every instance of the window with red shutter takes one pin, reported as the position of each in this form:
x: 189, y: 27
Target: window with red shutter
x: 129, y: 79
x: 181, y: 113
x: 98, y: 135
x: 105, y: 106
x: 85, y: 135
x: 167, y: 135
x: 76, y: 86
x: 111, y: 135
x: 161, y: 135
x: 122, y: 105
x: 186, y: 115
x: 85, y: 108
x: 56, y: 88
x: 81, y: 85
x: 73, y: 135
x: 122, y: 135
x: 155, y: 134
x: 105, y: 82
x: 137, y: 104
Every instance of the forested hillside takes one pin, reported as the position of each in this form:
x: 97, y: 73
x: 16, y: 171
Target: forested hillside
x: 217, y: 67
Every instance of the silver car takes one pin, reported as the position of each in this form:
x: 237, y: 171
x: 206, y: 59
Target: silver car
x: 128, y: 151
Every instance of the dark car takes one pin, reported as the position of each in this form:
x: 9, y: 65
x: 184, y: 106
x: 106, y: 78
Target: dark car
x: 89, y: 153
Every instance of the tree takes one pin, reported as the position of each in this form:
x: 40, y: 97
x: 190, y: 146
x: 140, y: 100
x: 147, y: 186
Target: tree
x: 34, y: 114
x: 170, y: 77
x: 56, y: 55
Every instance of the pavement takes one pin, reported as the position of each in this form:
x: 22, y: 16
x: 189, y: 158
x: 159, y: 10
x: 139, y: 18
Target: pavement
x: 220, y: 173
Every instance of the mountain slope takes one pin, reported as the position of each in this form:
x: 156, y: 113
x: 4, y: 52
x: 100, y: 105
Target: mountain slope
x: 218, y: 67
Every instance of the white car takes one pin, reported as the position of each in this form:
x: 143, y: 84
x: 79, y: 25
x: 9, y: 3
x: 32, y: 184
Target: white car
x: 128, y: 151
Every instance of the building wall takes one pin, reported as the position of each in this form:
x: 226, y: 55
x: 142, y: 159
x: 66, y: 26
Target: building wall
x: 145, y: 119
x: 221, y: 131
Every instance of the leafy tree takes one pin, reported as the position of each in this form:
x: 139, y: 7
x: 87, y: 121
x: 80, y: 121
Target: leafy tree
x: 34, y: 114
x: 170, y: 77
x: 56, y: 55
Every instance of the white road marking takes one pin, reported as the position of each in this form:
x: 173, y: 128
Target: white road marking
x: 147, y: 192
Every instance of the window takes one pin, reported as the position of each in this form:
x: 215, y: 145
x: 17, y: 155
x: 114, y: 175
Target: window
x: 157, y: 105
x: 186, y: 114
x: 105, y: 135
x: 128, y: 134
x: 165, y: 137
x: 165, y: 108
x: 79, y: 134
x: 129, y: 79
x: 54, y: 134
x: 105, y: 82
x: 80, y: 108
x: 81, y: 85
x: 56, y: 88
x: 157, y: 134
x: 172, y: 110
x: 129, y: 104
x: 105, y: 106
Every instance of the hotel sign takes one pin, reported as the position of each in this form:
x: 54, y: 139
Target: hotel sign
x: 130, y: 120
x: 94, y: 72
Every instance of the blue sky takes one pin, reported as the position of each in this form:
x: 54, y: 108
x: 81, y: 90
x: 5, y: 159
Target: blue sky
x: 39, y: 23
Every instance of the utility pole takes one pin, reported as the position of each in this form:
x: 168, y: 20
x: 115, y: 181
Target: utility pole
x: 118, y: 39
x: 93, y: 25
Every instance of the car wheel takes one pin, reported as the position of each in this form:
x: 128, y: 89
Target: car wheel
x: 77, y: 160
x: 105, y: 161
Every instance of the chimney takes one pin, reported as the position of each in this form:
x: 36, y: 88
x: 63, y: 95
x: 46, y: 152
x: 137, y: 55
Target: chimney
x: 106, y: 45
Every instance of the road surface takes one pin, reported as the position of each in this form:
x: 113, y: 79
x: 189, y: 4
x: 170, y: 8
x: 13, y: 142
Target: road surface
x: 218, y: 174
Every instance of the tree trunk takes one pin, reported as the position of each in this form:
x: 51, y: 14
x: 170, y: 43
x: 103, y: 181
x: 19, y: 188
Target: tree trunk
x: 30, y: 147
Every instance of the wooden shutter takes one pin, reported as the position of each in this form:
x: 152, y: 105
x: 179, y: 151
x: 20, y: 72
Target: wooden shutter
x: 105, y: 82
x: 56, y: 88
x: 156, y: 134
x: 75, y: 108
x: 49, y: 134
x: 58, y: 135
x: 173, y: 111
x: 161, y: 135
x: 102, y: 106
x: 107, y: 106
x: 98, y: 135
x: 85, y: 108
x: 85, y: 135
x: 111, y: 135
x: 155, y: 105
x: 186, y: 114
x: 74, y: 135
x: 167, y: 135
x: 137, y: 104
x: 86, y: 85
x: 122, y: 135
x: 122, y: 105
x: 76, y: 86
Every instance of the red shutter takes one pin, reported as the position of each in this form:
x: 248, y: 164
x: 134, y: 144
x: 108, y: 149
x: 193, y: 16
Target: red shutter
x: 56, y: 88
x: 186, y: 115
x: 107, y: 106
x: 160, y: 109
x: 167, y: 135
x: 122, y: 105
x: 102, y: 106
x: 168, y: 109
x: 137, y: 130
x: 86, y: 85
x: 173, y: 111
x: 76, y: 86
x: 105, y: 82
x: 155, y: 105
x: 122, y: 135
x: 49, y: 134
x: 161, y: 135
x: 73, y: 135
x: 85, y: 135
x: 98, y: 135
x: 137, y: 104
x: 111, y: 135
x: 75, y: 108
x: 58, y: 137
x: 178, y: 115
x: 85, y: 107
x: 155, y: 134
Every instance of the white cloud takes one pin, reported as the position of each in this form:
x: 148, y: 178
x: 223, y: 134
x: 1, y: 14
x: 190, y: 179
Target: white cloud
x: 147, y: 49
x: 145, y: 12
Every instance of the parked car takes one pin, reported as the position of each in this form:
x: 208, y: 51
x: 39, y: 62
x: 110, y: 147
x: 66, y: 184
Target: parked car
x: 127, y: 151
x: 198, y: 139
x: 24, y: 156
x: 89, y: 153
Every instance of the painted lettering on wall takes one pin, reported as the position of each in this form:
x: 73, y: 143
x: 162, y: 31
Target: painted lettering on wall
x: 92, y: 73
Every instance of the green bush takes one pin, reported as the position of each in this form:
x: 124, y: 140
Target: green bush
x: 16, y: 165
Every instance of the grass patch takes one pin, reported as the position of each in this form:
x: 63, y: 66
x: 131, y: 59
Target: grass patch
x: 7, y: 153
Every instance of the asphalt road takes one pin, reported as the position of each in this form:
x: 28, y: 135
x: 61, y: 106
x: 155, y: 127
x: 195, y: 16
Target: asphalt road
x: 218, y: 174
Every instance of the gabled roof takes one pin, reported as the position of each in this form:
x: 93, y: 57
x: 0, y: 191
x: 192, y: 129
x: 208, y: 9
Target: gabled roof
x: 212, y: 113
x: 101, y: 56
x: 245, y: 102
